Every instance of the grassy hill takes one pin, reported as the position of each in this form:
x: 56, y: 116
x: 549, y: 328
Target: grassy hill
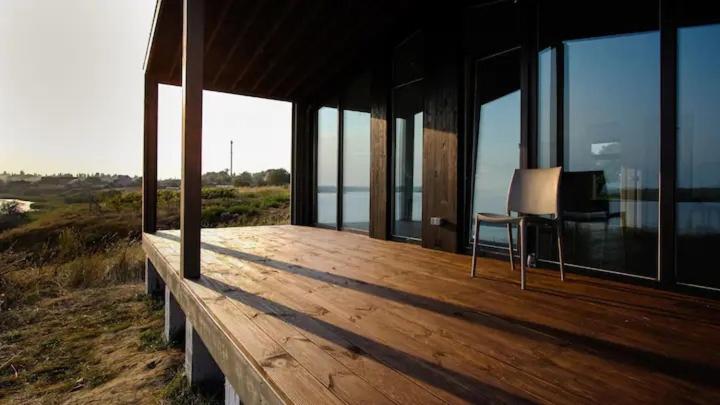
x: 74, y: 324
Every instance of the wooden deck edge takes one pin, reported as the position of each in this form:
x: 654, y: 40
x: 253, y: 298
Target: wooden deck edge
x: 244, y: 374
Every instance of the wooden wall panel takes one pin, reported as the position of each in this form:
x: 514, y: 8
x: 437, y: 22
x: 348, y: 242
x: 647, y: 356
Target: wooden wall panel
x: 379, y: 154
x: 440, y: 147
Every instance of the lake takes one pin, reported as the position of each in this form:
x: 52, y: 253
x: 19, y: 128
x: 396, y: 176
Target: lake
x: 24, y: 205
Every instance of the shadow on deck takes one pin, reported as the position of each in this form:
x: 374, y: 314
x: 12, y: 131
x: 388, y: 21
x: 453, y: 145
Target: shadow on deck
x: 364, y: 320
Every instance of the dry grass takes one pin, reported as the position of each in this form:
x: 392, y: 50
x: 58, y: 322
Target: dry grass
x: 74, y: 324
x: 85, y: 345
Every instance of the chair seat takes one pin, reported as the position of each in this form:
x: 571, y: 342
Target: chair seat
x: 497, y: 218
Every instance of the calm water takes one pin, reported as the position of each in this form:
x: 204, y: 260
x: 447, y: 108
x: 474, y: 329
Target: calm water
x: 24, y: 205
x: 356, y: 206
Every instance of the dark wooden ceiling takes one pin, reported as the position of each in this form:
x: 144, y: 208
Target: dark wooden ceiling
x: 280, y: 49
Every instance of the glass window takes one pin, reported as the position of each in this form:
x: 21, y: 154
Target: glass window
x: 407, y: 124
x: 327, y: 165
x: 547, y: 113
x: 611, y: 148
x: 698, y: 165
x: 497, y: 152
x: 356, y: 155
x: 408, y: 153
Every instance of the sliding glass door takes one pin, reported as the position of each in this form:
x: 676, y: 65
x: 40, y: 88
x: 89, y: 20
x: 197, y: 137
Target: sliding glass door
x: 343, y: 159
x: 408, y: 153
x: 611, y: 149
x: 356, y: 155
x: 407, y: 138
x: 327, y: 165
x: 599, y: 117
x: 698, y: 157
x: 497, y: 139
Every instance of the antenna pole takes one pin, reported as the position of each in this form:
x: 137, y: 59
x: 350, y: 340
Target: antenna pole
x: 231, y: 160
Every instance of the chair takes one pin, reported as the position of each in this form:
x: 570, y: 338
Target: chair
x: 532, y: 193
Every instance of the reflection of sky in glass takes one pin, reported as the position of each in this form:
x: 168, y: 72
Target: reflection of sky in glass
x: 699, y: 106
x: 612, y: 127
x: 698, y: 180
x: 417, y: 160
x: 612, y: 94
x: 356, y: 169
x: 356, y: 145
x: 400, y: 176
x: 399, y: 154
x: 497, y: 158
x: 327, y: 165
x: 546, y: 109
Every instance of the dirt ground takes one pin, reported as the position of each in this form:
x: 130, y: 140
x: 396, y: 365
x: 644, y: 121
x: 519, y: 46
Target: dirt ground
x: 89, y: 346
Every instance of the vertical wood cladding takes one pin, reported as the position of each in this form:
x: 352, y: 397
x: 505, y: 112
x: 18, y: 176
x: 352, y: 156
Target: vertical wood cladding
x: 379, y: 154
x: 440, y: 146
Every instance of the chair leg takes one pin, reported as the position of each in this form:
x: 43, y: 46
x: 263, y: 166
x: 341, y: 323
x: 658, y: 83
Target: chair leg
x: 510, y: 249
x: 474, y: 252
x: 523, y: 253
x: 560, y: 250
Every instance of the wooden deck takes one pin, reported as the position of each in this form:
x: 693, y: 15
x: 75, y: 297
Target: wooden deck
x: 305, y: 315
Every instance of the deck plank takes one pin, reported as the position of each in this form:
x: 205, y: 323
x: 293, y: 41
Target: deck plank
x: 369, y: 321
x: 460, y: 359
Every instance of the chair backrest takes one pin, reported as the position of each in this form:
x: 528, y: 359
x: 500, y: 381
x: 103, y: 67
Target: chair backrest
x: 535, y: 191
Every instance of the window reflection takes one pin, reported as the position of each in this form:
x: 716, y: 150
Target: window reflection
x: 408, y: 152
x: 547, y: 115
x: 498, y: 136
x: 356, y: 155
x: 698, y: 143
x: 611, y: 147
x: 327, y: 165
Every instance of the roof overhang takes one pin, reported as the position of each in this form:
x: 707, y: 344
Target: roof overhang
x: 279, y: 49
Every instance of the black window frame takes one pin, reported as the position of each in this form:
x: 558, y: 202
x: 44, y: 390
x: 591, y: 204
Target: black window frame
x: 338, y: 102
x: 396, y: 84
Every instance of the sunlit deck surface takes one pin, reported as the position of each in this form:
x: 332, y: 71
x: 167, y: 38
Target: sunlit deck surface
x: 321, y: 316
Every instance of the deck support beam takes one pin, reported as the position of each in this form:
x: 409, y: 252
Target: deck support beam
x: 150, y: 125
x: 200, y: 368
x: 174, y: 319
x: 192, y: 88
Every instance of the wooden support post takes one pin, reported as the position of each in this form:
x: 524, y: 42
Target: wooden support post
x: 192, y: 85
x: 149, y: 212
x: 302, y: 166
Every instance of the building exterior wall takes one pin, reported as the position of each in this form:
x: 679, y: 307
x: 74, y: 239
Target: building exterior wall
x: 454, y: 42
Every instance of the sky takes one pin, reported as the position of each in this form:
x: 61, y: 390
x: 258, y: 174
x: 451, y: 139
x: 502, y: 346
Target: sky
x: 71, y: 96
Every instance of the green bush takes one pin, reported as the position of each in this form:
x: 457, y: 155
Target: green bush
x: 118, y: 200
x: 212, y: 215
x: 213, y: 193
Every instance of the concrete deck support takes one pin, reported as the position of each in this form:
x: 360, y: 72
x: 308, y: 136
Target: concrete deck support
x: 231, y: 396
x: 200, y: 368
x: 154, y: 285
x: 174, y: 319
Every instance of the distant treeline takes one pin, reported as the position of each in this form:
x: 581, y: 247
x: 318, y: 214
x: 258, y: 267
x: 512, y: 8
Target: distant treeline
x: 270, y: 177
x: 23, y: 184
